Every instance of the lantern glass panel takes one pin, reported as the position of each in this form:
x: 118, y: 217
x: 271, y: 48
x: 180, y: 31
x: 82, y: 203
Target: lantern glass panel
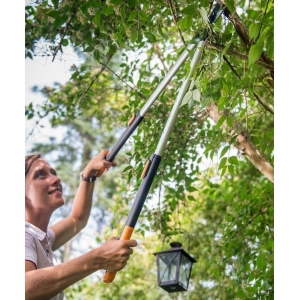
x: 185, y: 271
x: 167, y: 266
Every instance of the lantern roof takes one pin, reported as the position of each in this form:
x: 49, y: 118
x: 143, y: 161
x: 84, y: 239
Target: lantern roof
x: 176, y: 247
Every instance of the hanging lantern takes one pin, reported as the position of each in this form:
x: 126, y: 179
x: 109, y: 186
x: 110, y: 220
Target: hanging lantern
x: 174, y: 267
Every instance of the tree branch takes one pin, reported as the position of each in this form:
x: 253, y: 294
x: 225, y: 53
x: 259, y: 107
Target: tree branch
x: 169, y: 2
x: 243, y: 33
x: 59, y: 46
x: 94, y: 79
x: 244, y: 144
x: 232, y: 52
x: 268, y: 108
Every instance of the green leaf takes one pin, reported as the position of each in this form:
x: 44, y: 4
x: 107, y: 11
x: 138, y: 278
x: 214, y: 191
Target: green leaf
x: 75, y: 75
x: 221, y: 103
x: 230, y: 5
x: 270, y: 46
x: 251, y: 277
x: 134, y: 36
x: 160, y: 2
x: 233, y: 160
x: 98, y: 18
x: 65, y: 42
x: 118, y: 37
x: 240, y: 293
x: 191, y: 189
x: 186, y: 98
x: 268, y: 16
x: 223, y: 163
x: 223, y: 171
x: 208, y: 148
x: 29, y: 54
x: 260, y: 261
x: 185, y: 23
x: 191, y: 103
x: 132, y: 16
x: 107, y: 10
x: 192, y: 84
x: 226, y: 47
x: 150, y: 37
x: 55, y: 3
x: 60, y: 20
x: 224, y: 151
x: 212, y: 153
x: 221, y: 121
x: 196, y: 95
x: 144, y: 16
x: 127, y: 168
x: 116, y: 1
x: 131, y: 3
x: 204, y: 16
x: 88, y: 49
x: 262, y: 36
x: 190, y: 10
x: 254, y: 53
x: 229, y: 121
x: 254, y: 30
x: 53, y: 14
x: 251, y: 289
x: 191, y: 198
x: 231, y: 169
x: 206, y: 101
x: 97, y: 55
x: 94, y: 4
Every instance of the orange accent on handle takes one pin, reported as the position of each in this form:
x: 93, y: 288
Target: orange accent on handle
x: 126, y: 234
x: 145, y: 169
x: 131, y: 119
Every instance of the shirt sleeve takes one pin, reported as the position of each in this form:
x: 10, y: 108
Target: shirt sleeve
x: 51, y: 236
x: 30, y: 248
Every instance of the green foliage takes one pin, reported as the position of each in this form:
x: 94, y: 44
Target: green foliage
x: 206, y: 193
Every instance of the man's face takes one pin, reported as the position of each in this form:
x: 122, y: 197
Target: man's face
x: 43, y: 189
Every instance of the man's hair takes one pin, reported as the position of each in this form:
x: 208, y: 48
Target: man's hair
x: 29, y: 160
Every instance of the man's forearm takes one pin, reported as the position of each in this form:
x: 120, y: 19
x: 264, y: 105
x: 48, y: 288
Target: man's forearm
x: 45, y: 283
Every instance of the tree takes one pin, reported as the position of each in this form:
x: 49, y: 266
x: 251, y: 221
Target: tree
x: 217, y: 167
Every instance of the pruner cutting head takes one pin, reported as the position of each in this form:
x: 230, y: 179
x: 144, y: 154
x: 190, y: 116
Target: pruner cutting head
x: 213, y: 16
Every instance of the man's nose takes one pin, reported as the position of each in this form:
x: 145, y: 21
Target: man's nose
x: 55, y: 179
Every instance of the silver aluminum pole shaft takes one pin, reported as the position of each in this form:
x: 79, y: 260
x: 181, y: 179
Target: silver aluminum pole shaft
x: 166, y: 80
x: 170, y: 123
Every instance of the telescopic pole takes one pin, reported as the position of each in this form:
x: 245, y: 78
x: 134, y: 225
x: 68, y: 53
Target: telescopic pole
x: 138, y: 117
x: 152, y: 164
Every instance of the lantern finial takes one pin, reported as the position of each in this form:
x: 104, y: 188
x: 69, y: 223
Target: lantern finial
x: 176, y: 245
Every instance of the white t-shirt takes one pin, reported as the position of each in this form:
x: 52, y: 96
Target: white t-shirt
x: 38, y: 249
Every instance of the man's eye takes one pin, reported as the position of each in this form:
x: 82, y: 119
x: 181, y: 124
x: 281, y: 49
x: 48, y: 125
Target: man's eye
x: 53, y: 173
x: 40, y: 173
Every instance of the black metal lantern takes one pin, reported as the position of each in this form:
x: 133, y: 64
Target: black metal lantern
x: 174, y: 267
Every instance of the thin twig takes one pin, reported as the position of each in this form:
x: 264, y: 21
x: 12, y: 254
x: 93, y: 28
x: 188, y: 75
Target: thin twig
x: 260, y: 62
x: 94, y: 79
x: 132, y: 88
x: 269, y: 109
x: 169, y: 2
x: 64, y: 34
x: 231, y: 67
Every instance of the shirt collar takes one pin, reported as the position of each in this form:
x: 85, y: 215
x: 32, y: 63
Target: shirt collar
x: 40, y: 234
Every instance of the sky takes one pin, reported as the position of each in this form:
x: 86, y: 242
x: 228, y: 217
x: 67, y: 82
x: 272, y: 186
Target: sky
x: 40, y: 72
x: 18, y: 75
